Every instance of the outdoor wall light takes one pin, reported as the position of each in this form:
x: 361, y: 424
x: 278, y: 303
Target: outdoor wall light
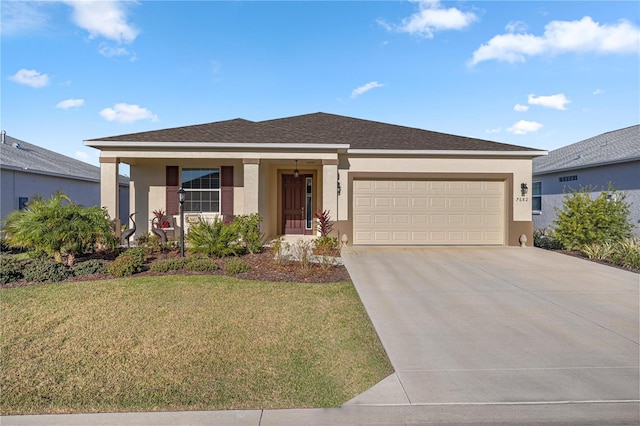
x: 181, y: 196
x: 296, y: 172
x: 524, y: 189
x: 339, y: 188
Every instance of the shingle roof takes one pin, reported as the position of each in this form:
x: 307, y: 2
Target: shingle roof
x: 19, y: 155
x: 318, y: 128
x: 612, y: 147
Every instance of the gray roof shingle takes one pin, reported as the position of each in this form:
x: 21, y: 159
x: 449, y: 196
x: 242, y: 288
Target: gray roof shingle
x: 19, y: 155
x: 317, y: 128
x: 612, y: 147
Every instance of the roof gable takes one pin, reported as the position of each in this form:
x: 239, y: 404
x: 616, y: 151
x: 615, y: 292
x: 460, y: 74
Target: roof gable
x: 612, y: 147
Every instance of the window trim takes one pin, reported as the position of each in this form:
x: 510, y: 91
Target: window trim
x: 218, y: 190
x: 534, y: 196
x: 308, y: 202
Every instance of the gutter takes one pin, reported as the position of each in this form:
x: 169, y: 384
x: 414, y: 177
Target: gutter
x: 586, y: 166
x: 457, y: 152
x: 58, y: 175
x: 219, y: 145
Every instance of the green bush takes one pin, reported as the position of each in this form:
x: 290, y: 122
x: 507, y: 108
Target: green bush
x: 325, y: 245
x: 201, y: 265
x: 90, y: 267
x: 167, y: 265
x: 235, y: 265
x: 543, y: 240
x: 583, y: 220
x: 214, y: 238
x: 248, y: 229
x: 10, y: 269
x: 627, y: 254
x: 129, y: 262
x: 45, y: 270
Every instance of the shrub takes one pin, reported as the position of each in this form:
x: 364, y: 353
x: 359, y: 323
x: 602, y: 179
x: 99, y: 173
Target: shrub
x: 280, y: 249
x: 248, y: 229
x: 598, y: 251
x: 627, y: 254
x: 325, y: 226
x: 10, y: 269
x: 214, y: 238
x: 326, y: 245
x: 45, y: 270
x: 58, y: 226
x: 90, y: 267
x: 129, y: 262
x: 151, y: 243
x: 235, y: 265
x: 167, y: 265
x: 543, y: 240
x: 202, y: 265
x: 302, y: 251
x: 583, y: 220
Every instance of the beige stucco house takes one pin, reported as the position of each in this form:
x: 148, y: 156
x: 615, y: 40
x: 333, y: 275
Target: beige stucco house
x: 381, y: 183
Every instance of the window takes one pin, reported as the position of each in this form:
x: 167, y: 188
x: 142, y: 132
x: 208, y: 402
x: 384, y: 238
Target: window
x: 22, y: 202
x: 309, y: 206
x: 536, y: 197
x: 202, y: 190
x: 568, y: 178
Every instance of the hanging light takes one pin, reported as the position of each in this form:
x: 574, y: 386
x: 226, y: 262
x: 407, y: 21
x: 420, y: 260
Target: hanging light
x: 296, y: 172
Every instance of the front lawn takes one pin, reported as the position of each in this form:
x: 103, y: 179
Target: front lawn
x: 184, y: 343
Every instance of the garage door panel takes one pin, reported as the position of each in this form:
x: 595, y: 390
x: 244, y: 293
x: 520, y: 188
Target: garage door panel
x: 428, y: 212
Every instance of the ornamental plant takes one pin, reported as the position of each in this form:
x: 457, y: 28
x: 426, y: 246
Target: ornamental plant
x: 583, y: 220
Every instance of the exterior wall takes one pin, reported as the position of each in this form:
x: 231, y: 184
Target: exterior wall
x: 15, y: 184
x: 624, y: 177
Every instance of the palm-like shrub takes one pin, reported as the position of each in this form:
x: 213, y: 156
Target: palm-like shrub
x: 57, y: 226
x: 214, y: 238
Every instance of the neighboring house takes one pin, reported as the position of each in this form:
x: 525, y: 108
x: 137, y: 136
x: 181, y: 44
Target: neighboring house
x: 381, y: 183
x: 28, y: 170
x: 610, y: 157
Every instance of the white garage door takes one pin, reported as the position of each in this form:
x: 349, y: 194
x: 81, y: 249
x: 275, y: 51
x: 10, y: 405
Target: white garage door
x: 428, y: 212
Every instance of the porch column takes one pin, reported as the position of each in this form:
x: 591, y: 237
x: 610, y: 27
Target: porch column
x: 251, y: 185
x: 330, y: 187
x: 109, y: 187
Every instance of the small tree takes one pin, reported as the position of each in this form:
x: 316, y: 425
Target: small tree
x: 57, y: 226
x: 583, y: 220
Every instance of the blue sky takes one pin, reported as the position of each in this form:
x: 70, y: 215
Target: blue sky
x: 538, y: 74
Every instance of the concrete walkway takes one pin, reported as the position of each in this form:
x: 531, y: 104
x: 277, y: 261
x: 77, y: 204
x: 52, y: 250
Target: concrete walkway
x: 475, y: 335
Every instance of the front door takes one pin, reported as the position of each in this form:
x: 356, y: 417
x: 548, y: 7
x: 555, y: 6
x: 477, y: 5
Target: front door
x: 293, y: 202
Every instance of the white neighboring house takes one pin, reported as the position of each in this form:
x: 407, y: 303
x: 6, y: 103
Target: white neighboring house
x: 610, y: 157
x: 28, y: 170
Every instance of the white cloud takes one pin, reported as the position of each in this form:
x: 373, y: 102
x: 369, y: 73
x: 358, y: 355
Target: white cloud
x: 559, y: 37
x: 558, y: 101
x: 432, y: 17
x: 516, y: 27
x: 597, y: 92
x: 30, y: 78
x: 106, y: 19
x: 521, y: 108
x: 22, y: 17
x: 523, y: 127
x: 82, y: 155
x: 496, y: 130
x: 365, y: 88
x: 127, y: 113
x: 70, y: 103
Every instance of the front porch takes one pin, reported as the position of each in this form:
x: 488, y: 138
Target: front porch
x: 286, y: 190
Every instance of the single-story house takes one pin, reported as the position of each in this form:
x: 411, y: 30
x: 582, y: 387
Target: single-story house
x: 27, y: 170
x: 612, y: 157
x: 381, y: 183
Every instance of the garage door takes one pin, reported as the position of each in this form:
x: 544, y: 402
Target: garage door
x: 428, y: 212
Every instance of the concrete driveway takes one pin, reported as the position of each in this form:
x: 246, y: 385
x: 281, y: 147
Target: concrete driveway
x: 500, y: 325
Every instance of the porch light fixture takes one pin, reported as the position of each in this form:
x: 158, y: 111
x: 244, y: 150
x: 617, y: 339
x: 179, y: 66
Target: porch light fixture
x: 296, y: 172
x: 524, y: 189
x: 339, y: 188
x: 181, y: 194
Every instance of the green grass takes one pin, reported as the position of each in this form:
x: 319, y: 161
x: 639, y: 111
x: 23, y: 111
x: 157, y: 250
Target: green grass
x: 184, y: 343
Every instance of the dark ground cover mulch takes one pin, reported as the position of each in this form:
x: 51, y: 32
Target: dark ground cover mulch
x: 263, y: 268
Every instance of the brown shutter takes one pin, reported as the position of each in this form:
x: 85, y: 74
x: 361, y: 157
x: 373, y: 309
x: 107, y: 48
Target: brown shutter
x: 172, y: 185
x: 226, y: 193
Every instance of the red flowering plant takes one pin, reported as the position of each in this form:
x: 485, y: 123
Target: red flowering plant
x: 160, y: 220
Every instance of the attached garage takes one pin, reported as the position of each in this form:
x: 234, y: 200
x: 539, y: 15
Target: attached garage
x: 438, y: 212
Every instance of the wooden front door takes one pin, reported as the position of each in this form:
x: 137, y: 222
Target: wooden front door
x: 293, y: 200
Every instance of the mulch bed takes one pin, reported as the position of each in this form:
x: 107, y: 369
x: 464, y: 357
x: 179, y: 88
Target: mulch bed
x: 263, y: 268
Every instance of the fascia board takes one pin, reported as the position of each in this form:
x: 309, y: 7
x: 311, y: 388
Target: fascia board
x: 448, y: 153
x: 218, y: 145
x: 585, y: 166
